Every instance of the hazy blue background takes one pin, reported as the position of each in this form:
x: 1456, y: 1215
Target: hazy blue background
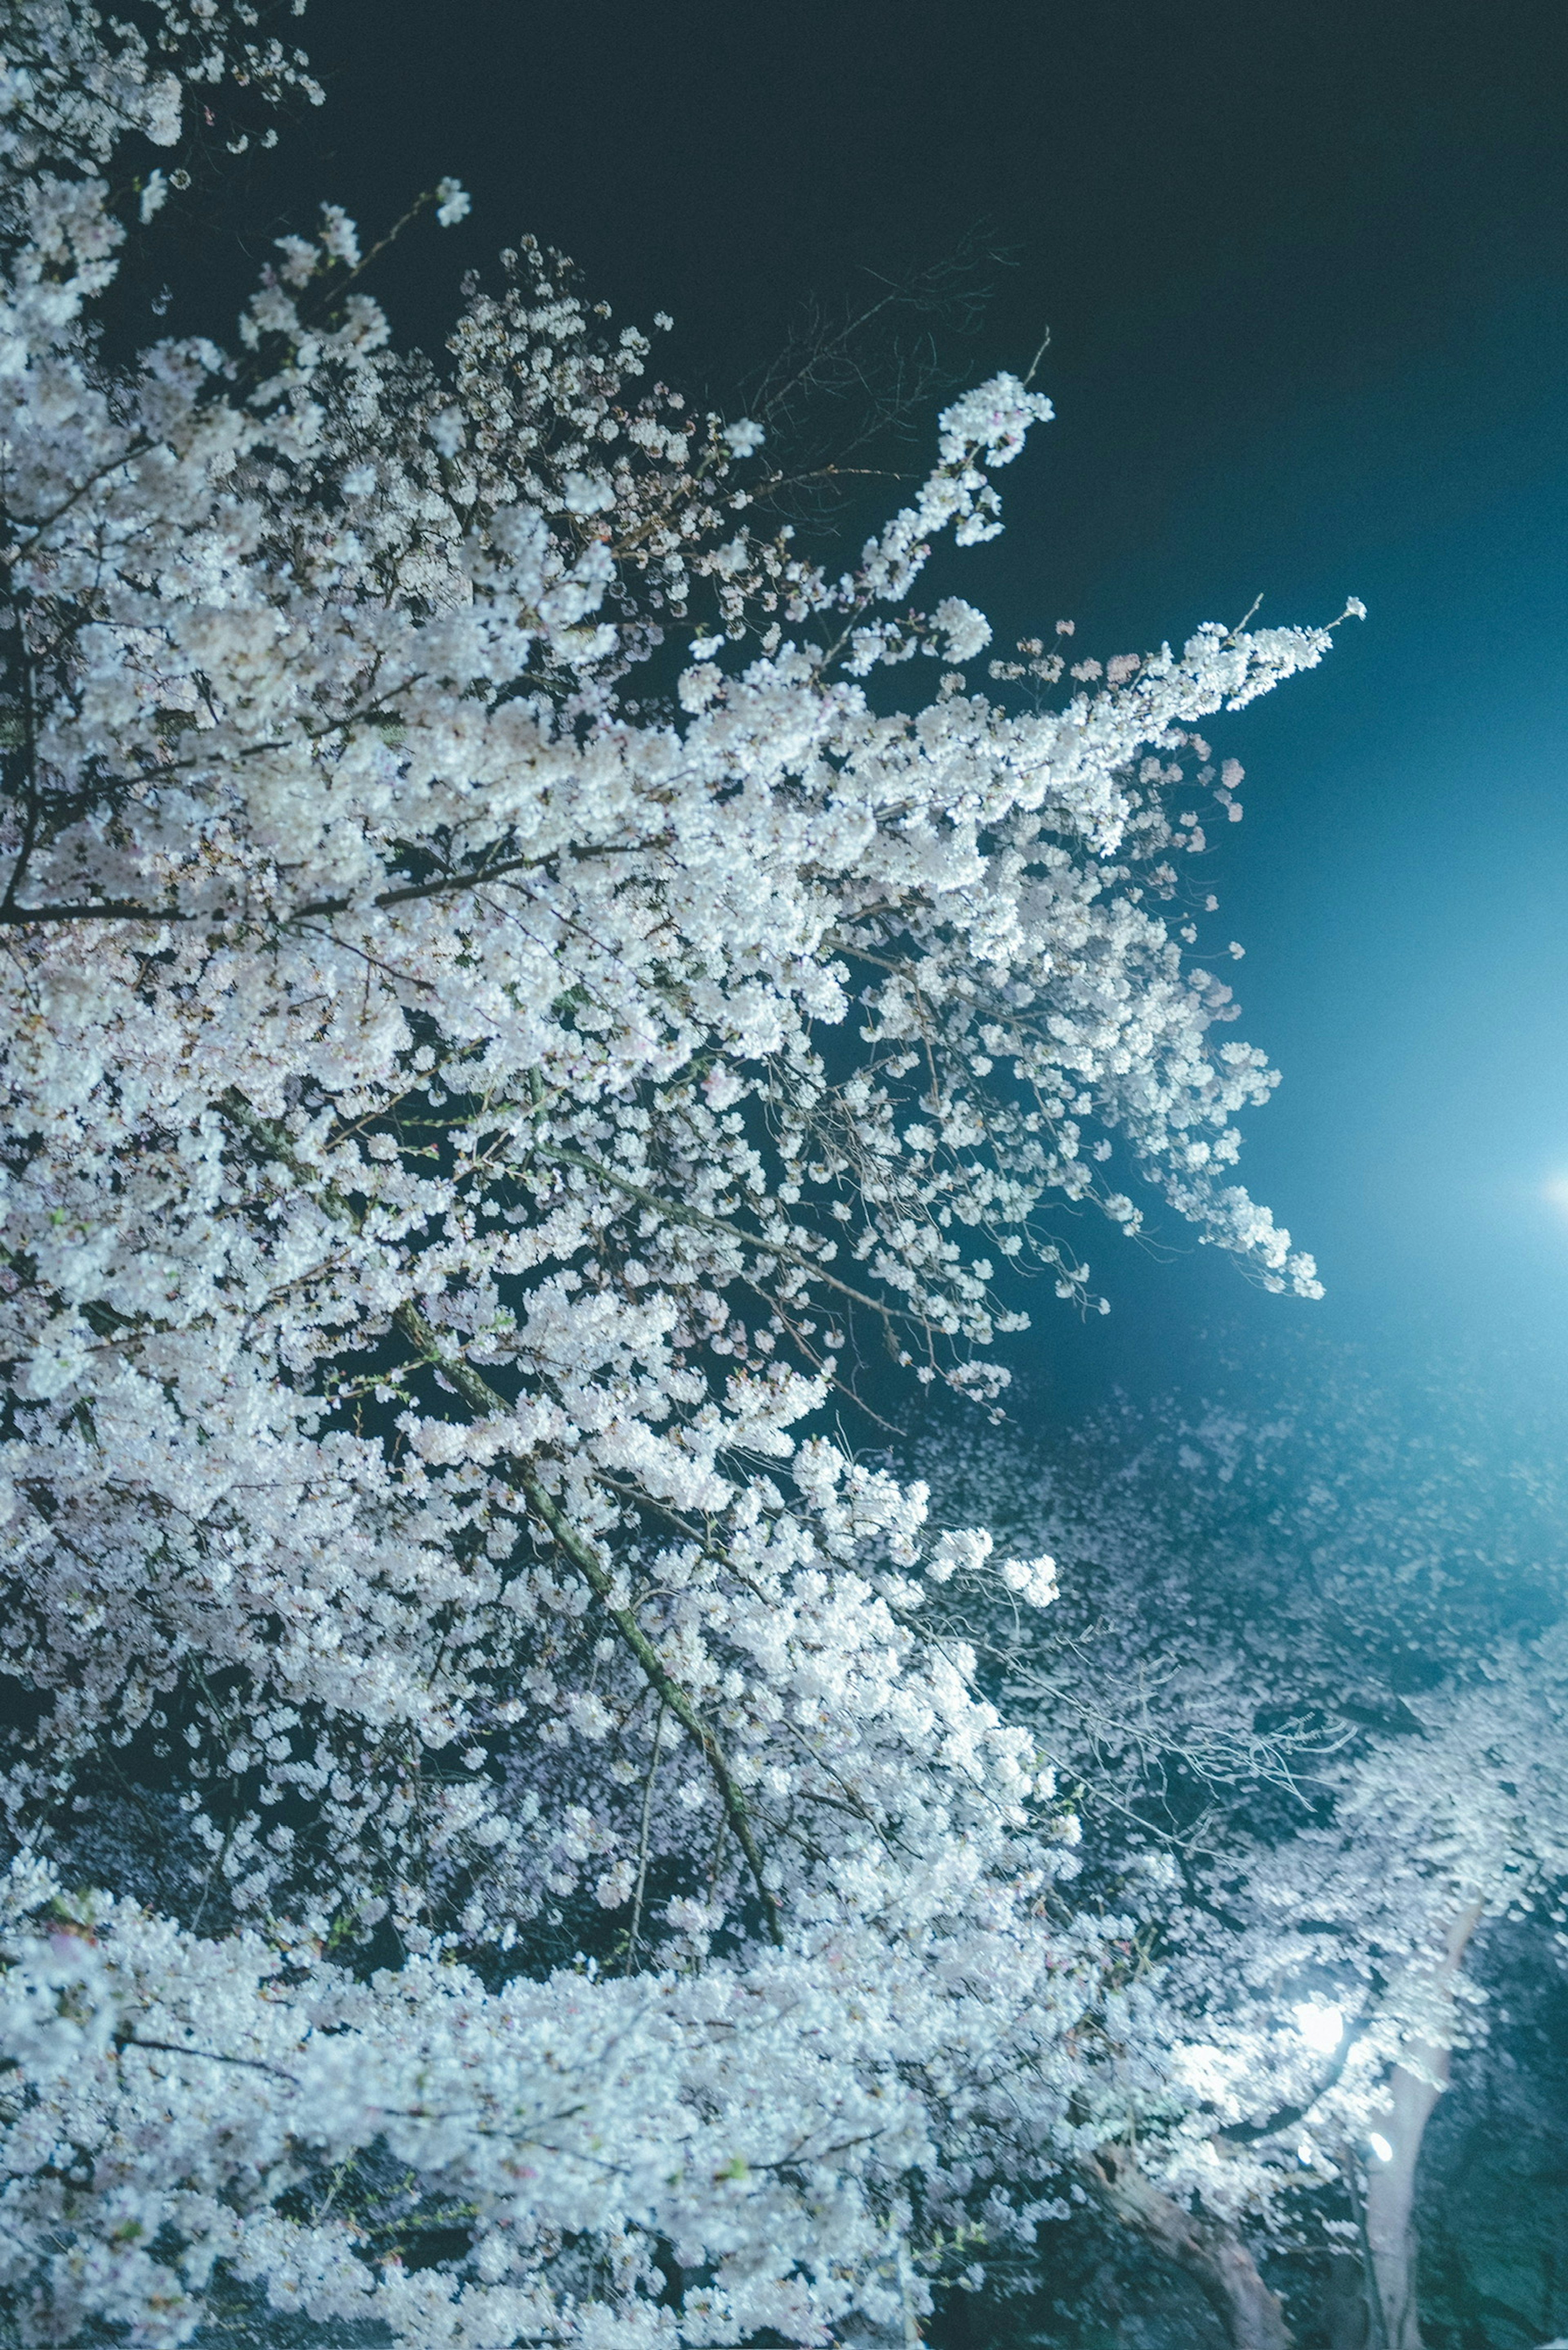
x: 1306, y: 277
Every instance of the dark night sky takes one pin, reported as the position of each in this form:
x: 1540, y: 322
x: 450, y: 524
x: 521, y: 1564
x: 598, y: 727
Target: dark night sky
x: 1305, y: 272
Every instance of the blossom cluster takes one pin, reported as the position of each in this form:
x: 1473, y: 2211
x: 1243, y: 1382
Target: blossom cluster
x: 498, y: 1012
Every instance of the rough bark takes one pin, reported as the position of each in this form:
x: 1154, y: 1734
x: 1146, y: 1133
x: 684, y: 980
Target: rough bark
x: 1389, y: 2219
x: 1212, y: 2253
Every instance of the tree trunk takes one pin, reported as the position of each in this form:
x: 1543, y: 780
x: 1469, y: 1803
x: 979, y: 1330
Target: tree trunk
x: 1390, y: 2223
x: 1347, y: 2320
x: 1210, y: 2252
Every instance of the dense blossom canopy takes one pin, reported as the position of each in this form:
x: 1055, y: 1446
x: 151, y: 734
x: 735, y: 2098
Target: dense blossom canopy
x: 501, y: 1004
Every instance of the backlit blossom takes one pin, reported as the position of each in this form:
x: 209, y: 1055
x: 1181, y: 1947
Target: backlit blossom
x: 498, y: 1016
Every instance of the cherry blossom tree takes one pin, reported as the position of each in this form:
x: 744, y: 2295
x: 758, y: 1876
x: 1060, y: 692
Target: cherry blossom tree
x: 1309, y: 1671
x: 501, y: 1009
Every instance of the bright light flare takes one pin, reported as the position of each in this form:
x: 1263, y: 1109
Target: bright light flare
x: 1380, y: 2146
x: 1321, y: 2026
x: 1555, y: 1191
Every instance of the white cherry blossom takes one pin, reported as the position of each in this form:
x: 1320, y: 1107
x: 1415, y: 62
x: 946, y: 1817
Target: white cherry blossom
x: 500, y: 1010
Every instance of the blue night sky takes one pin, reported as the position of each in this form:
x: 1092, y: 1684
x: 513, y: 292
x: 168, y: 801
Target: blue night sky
x: 1305, y: 272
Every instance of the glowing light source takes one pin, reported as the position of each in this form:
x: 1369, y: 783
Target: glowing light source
x: 1321, y: 2026
x: 1380, y: 2146
x: 1555, y: 1190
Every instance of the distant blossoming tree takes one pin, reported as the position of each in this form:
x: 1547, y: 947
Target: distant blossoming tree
x: 499, y: 1003
x: 1314, y: 1762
